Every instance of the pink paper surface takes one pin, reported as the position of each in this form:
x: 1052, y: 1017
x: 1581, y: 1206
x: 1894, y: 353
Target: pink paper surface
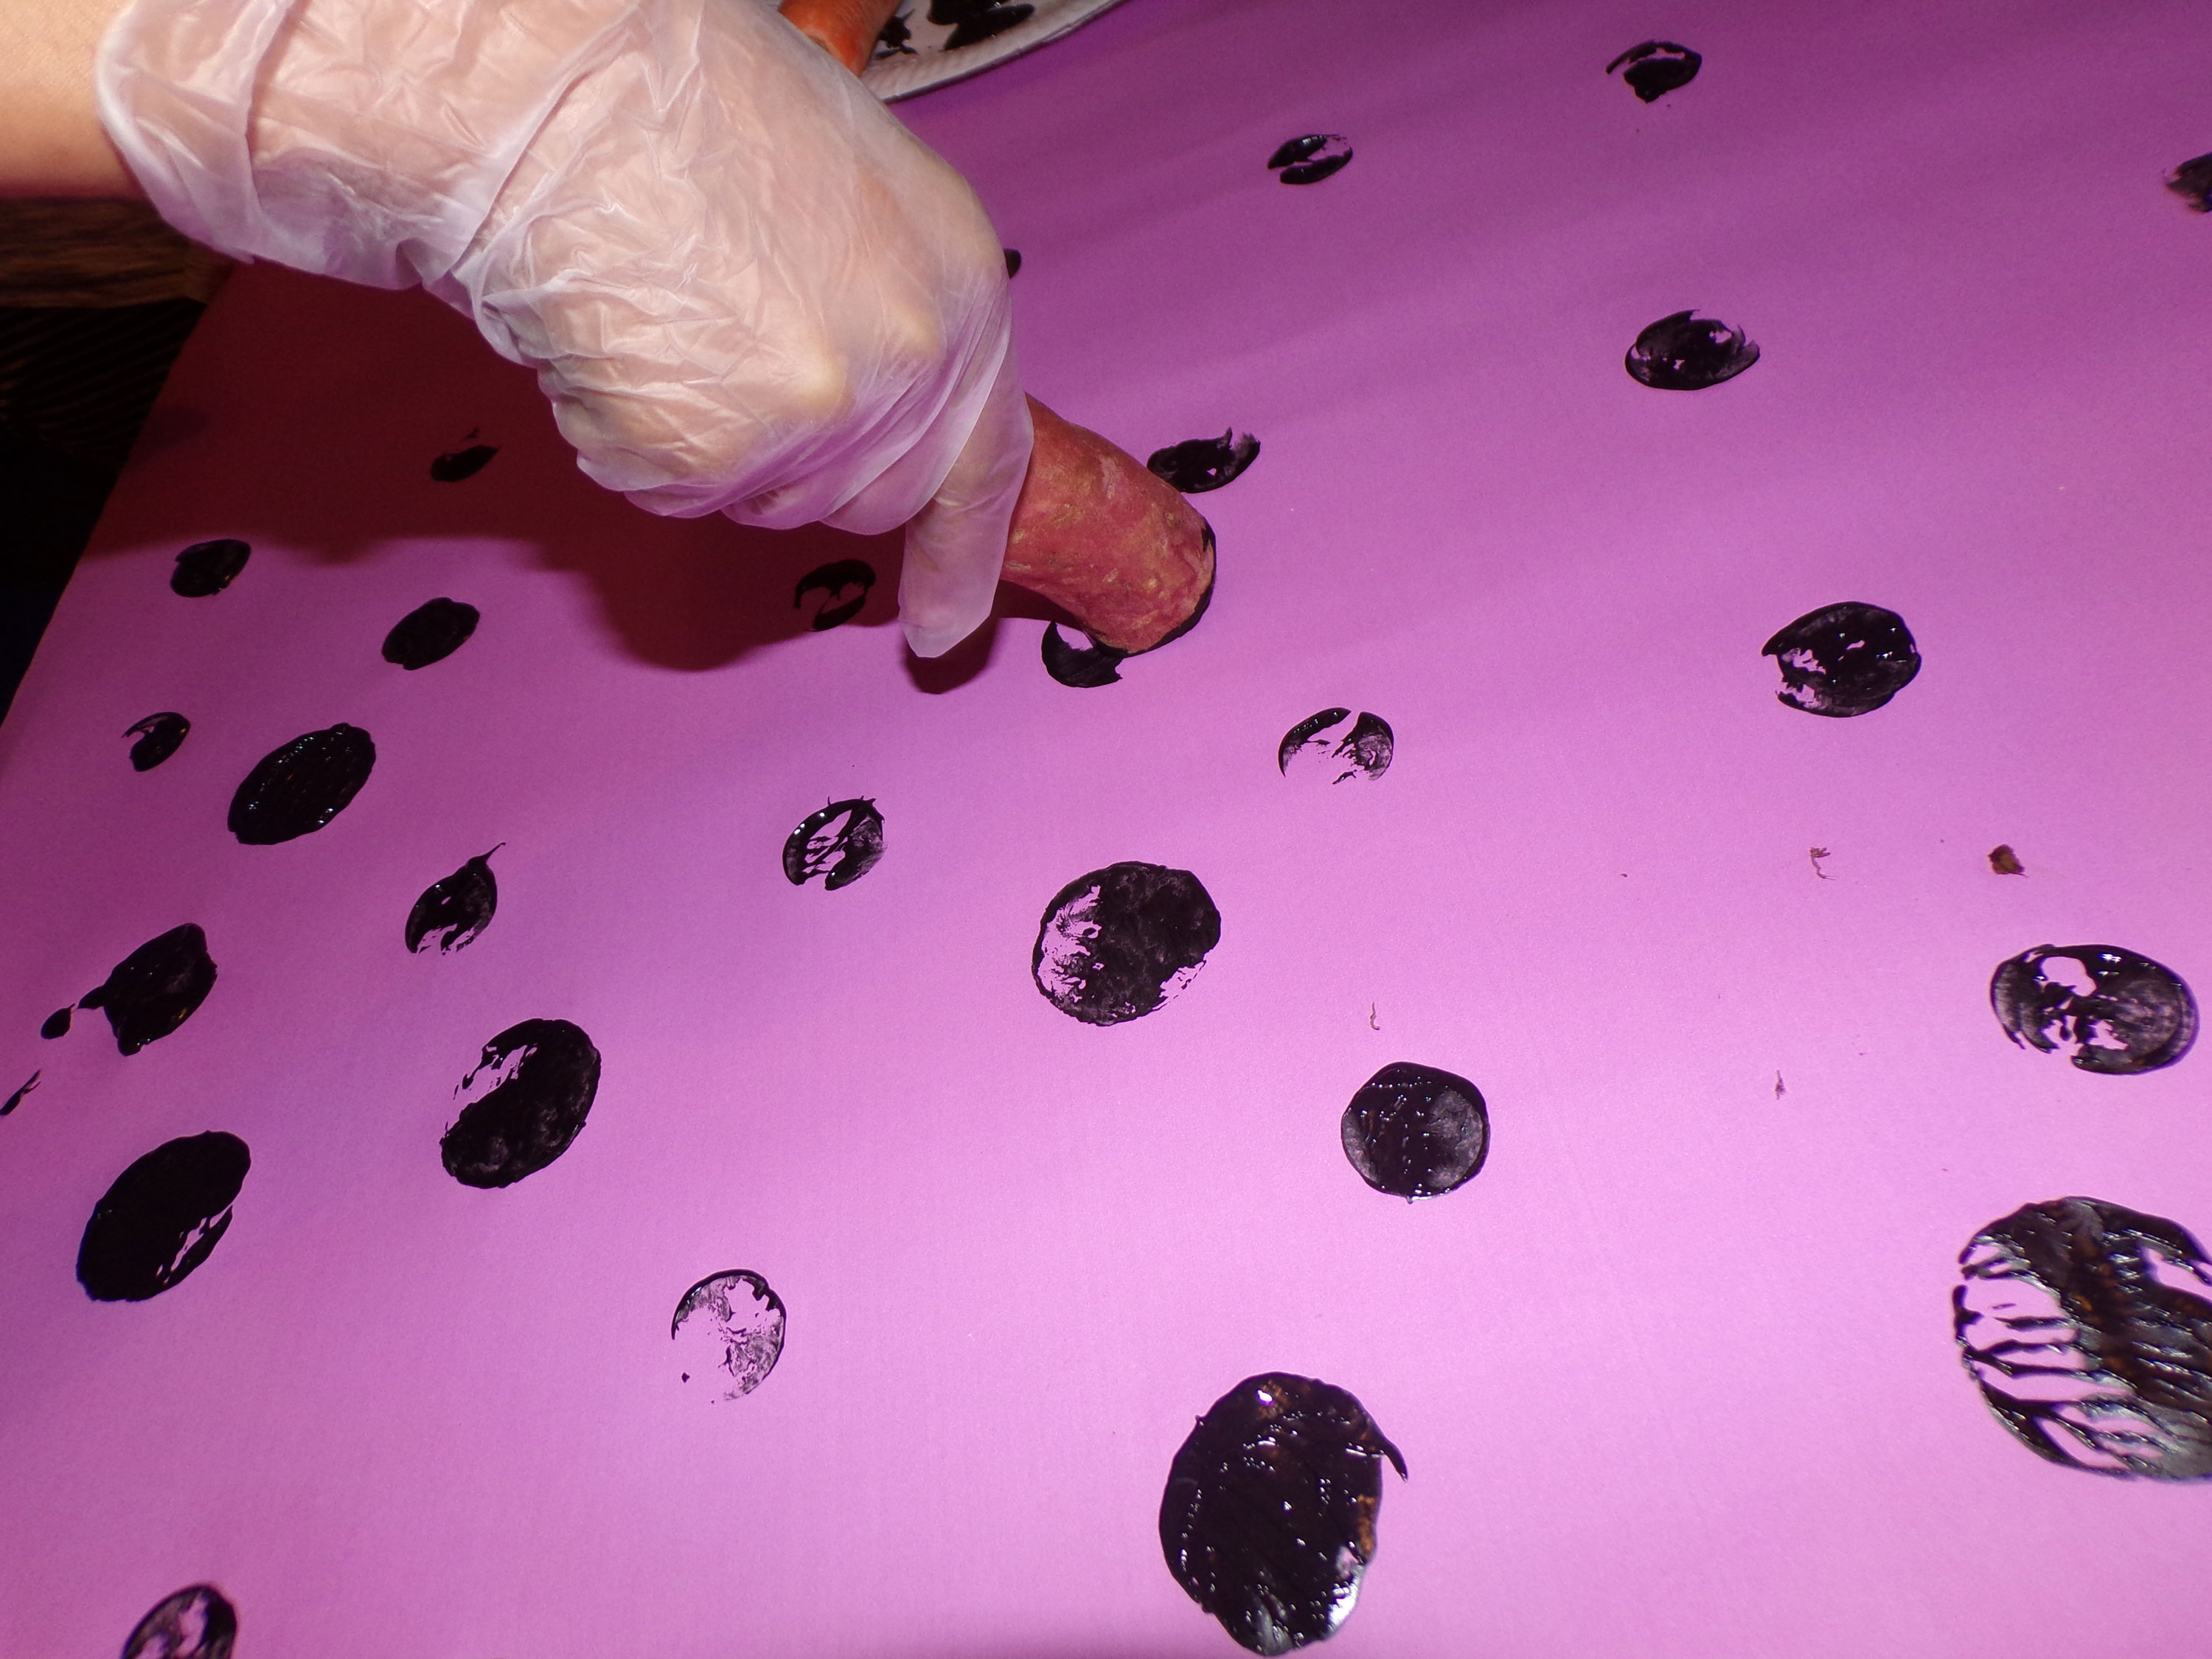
x: 1673, y: 1375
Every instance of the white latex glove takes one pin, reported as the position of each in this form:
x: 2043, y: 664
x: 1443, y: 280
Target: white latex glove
x: 744, y: 285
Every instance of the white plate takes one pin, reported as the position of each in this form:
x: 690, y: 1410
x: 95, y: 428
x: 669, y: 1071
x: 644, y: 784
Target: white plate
x: 927, y: 63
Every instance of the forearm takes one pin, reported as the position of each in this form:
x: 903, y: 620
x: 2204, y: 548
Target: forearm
x: 50, y: 140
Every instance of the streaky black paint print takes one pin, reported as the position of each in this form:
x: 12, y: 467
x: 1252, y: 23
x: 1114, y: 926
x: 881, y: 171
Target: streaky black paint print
x: 1365, y: 751
x: 1685, y: 352
x: 302, y: 786
x: 975, y: 19
x: 430, y: 633
x: 831, y: 580
x: 2088, y: 1329
x: 844, y: 854
x: 1416, y: 1132
x: 18, y: 1097
x: 196, y: 1622
x: 547, y: 1073
x: 155, y: 989
x: 1014, y: 262
x: 1117, y: 943
x: 458, y: 464
x: 205, y: 568
x: 1845, y: 659
x: 2192, y: 182
x: 162, y: 1217
x: 159, y: 737
x: 58, y: 1022
x: 1310, y: 160
x: 1198, y: 464
x: 2115, y: 1011
x: 455, y: 908
x: 1268, y: 1519
x: 729, y: 1330
x: 1657, y: 68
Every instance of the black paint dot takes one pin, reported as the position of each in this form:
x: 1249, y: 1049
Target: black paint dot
x: 1687, y: 352
x: 17, y: 1098
x: 1014, y: 262
x: 1198, y: 464
x: 197, y: 1623
x: 58, y: 1022
x: 208, y: 567
x: 162, y: 1217
x: 728, y: 1330
x: 155, y: 989
x: 455, y: 908
x: 302, y: 786
x: 1657, y: 68
x: 1310, y: 160
x: 2088, y: 1329
x: 1116, y: 944
x: 975, y: 19
x: 457, y: 465
x: 1363, y: 751
x: 832, y: 581
x: 2110, y: 1010
x: 159, y: 737
x: 1268, y: 1519
x: 430, y: 633
x: 2192, y: 182
x: 1416, y: 1132
x: 1845, y: 659
x: 546, y: 1073
x: 843, y: 853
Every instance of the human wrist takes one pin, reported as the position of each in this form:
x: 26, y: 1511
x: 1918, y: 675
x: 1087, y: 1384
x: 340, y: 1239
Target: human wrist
x: 52, y: 143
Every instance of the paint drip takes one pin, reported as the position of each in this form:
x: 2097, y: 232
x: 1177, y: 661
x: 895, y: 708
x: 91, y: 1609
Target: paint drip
x: 456, y: 907
x: 301, y: 786
x: 2109, y: 1009
x: 1117, y: 943
x: 545, y: 1073
x: 162, y: 1217
x: 1416, y: 1132
x: 1843, y: 660
x: 728, y: 1331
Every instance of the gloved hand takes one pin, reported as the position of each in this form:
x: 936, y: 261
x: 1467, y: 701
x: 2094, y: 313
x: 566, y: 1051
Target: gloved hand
x: 745, y: 287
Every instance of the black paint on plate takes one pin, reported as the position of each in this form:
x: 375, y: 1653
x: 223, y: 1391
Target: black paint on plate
x: 1365, y: 751
x: 208, y: 567
x: 1198, y: 464
x: 162, y: 1217
x: 17, y: 1099
x: 155, y: 989
x: 1268, y: 1519
x: 197, y: 1623
x: 730, y: 1327
x: 1843, y: 659
x: 2192, y: 182
x: 1310, y: 160
x: 1687, y: 352
x: 547, y: 1073
x: 831, y: 580
x: 1657, y: 68
x: 975, y: 19
x: 844, y: 854
x: 1116, y: 943
x: 455, y: 908
x: 1416, y: 1132
x: 430, y: 633
x: 2088, y: 1329
x: 302, y: 786
x: 2134, y: 1015
x: 458, y: 464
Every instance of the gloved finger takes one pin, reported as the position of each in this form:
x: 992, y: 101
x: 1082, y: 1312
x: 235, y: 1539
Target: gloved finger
x: 955, y: 545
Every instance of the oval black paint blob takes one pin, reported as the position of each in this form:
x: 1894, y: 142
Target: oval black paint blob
x: 1117, y: 943
x: 1310, y: 160
x: 159, y: 737
x: 1416, y: 1132
x: 728, y: 1330
x: 1363, y: 751
x: 1687, y: 352
x: 547, y: 1072
x: 2088, y: 1329
x: 2113, y: 1012
x: 162, y: 1217
x: 455, y: 908
x: 832, y: 581
x: 208, y: 567
x: 1845, y: 659
x: 2192, y: 182
x: 302, y: 786
x: 1268, y: 1519
x: 1198, y: 464
x: 155, y: 989
x: 430, y: 633
x: 844, y: 854
x: 1657, y: 68
x: 196, y: 1622
x: 458, y: 464
x: 58, y: 1022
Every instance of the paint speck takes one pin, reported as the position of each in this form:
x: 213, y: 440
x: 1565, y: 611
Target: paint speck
x: 834, y: 581
x: 458, y: 464
x: 1843, y: 660
x: 18, y: 1097
x: 162, y: 1217
x: 2110, y: 1010
x: 1310, y: 160
x: 430, y: 633
x: 1365, y: 751
x: 155, y: 989
x: 197, y: 1623
x: 1779, y: 1090
x: 843, y: 842
x: 58, y: 1022
x: 302, y: 786
x: 455, y: 909
x: 1685, y: 352
x: 543, y: 1075
x: 159, y: 737
x: 2004, y: 861
x: 728, y: 1331
x: 205, y: 568
x: 1198, y: 464
x: 1657, y: 68
x: 1117, y: 943
x: 1416, y: 1132
x: 1373, y: 1023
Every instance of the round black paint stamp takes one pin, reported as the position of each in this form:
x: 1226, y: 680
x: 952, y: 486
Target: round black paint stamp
x: 1117, y: 943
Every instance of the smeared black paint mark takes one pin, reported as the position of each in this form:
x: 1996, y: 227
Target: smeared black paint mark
x: 1685, y: 352
x: 1268, y: 1519
x: 58, y: 1022
x: 430, y: 633
x: 895, y: 37
x: 208, y: 567
x: 1657, y: 68
x: 458, y: 464
x: 1814, y: 856
x: 1310, y: 160
x: 159, y: 737
x: 1843, y: 660
x: 456, y: 907
x: 17, y: 1099
x: 1100, y: 665
x: 843, y: 854
x: 975, y: 19
x: 2192, y: 182
x: 1116, y: 943
x: 2135, y: 1015
x: 156, y: 989
x: 1198, y: 464
x: 1416, y: 1132
x: 1365, y: 751
x: 301, y: 786
x: 548, y: 1073
x: 162, y: 1217
x: 832, y: 580
x: 197, y: 1623
x: 1014, y: 262
x: 729, y: 1327
x: 2004, y: 861
x: 2088, y: 1329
